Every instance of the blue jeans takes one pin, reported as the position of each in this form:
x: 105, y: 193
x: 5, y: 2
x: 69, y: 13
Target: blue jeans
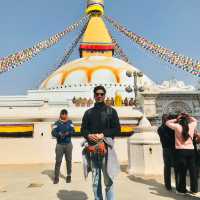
x: 98, y: 165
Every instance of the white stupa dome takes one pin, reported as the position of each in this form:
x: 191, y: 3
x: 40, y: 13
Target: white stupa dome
x: 93, y: 70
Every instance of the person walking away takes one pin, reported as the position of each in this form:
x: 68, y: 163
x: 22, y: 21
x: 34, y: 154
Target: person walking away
x: 167, y: 139
x: 184, y: 127
x: 100, y: 125
x: 62, y: 131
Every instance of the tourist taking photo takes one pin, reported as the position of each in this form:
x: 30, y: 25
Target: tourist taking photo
x: 184, y: 126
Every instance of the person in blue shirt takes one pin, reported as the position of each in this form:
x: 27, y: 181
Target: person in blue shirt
x: 62, y: 130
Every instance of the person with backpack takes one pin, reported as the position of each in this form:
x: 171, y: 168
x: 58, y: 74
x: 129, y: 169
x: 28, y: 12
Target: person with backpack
x: 184, y: 126
x: 62, y: 130
x: 100, y: 125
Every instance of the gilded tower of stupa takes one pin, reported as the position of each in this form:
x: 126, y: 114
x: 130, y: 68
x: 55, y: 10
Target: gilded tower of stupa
x: 96, y: 64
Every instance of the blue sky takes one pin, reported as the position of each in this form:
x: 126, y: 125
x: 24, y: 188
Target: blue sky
x: 172, y: 23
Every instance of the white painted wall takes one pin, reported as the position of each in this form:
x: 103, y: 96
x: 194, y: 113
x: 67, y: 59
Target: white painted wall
x: 41, y: 149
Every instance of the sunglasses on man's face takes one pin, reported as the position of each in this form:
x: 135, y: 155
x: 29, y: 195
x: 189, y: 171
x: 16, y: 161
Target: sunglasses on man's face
x: 99, y: 94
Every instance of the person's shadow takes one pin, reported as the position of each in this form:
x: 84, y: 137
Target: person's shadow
x: 158, y: 189
x: 50, y: 174
x: 71, y: 195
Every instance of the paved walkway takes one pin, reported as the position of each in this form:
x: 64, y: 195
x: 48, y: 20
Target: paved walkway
x: 34, y: 182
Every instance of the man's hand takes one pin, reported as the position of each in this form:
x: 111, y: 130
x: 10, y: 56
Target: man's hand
x: 100, y: 136
x: 64, y: 134
x: 95, y: 137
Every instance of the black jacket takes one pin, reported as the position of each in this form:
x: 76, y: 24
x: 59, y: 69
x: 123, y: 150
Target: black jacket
x: 100, y: 119
x: 167, y: 137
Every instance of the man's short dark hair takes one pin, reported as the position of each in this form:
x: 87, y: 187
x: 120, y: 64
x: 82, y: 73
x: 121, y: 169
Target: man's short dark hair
x: 164, y: 118
x: 63, y: 112
x: 100, y: 87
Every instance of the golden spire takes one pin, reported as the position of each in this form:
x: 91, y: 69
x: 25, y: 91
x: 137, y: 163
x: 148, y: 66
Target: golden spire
x: 96, y: 39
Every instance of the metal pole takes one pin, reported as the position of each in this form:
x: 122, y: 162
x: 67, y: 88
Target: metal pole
x: 135, y: 88
x: 135, y: 85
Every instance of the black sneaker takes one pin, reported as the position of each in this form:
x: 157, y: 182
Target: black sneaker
x: 68, y: 179
x: 169, y: 188
x: 56, y: 181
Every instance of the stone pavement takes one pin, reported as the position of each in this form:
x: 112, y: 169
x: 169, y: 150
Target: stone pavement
x: 34, y: 182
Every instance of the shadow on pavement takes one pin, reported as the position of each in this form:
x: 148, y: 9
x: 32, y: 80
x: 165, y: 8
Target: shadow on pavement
x: 71, y: 195
x: 158, y: 189
x: 50, y: 174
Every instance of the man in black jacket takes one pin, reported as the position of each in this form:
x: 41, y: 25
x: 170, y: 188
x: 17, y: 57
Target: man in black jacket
x: 98, y: 123
x: 167, y: 139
